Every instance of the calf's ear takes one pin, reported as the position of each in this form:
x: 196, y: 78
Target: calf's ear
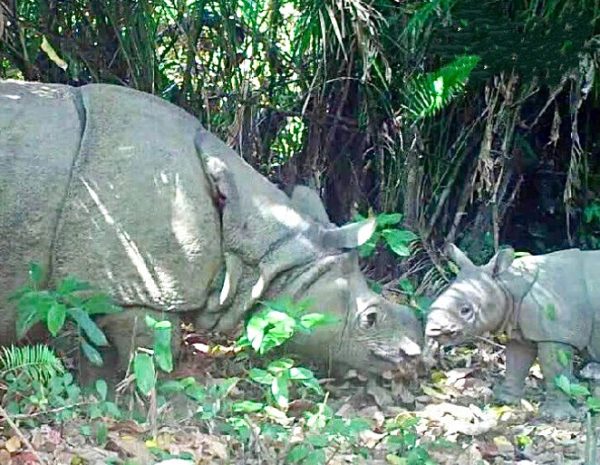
x: 500, y: 262
x: 458, y: 256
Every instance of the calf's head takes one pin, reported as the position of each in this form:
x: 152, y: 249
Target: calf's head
x: 474, y: 303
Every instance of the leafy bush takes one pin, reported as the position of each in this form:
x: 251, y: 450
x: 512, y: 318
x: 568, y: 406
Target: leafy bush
x: 387, y: 231
x: 72, y: 301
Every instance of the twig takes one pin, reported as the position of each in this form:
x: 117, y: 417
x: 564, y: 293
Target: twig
x: 25, y: 441
x: 489, y: 341
x: 54, y: 410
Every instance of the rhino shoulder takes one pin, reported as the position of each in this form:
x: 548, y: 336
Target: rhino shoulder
x: 556, y: 303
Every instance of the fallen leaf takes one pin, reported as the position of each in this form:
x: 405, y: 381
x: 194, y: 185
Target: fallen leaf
x: 13, y: 444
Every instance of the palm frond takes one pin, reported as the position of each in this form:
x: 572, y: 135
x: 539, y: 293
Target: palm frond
x: 37, y: 362
x: 427, y: 94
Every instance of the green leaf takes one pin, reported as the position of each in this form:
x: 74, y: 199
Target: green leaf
x: 91, y: 353
x: 150, y: 322
x: 260, y: 376
x: 145, y: 375
x: 36, y: 273
x: 369, y: 247
x: 279, y: 390
x: 70, y: 285
x: 282, y: 364
x: 315, y: 457
x: 399, y: 240
x: 313, y: 385
x: 56, y: 318
x: 406, y: 286
x: 162, y: 345
x: 578, y: 390
x: 171, y: 386
x: 297, y: 453
x: 247, y: 406
x: 100, y: 304
x: 101, y: 388
x: 101, y: 433
x: 564, y: 357
x: 314, y: 320
x: 91, y: 330
x: 318, y: 440
x: 550, y: 312
x: 593, y: 404
x: 563, y: 383
x: 255, y: 331
x: 27, y: 317
x: 298, y: 373
x: 388, y: 219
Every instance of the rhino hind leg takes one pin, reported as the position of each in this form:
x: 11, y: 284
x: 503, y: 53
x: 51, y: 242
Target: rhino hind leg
x: 556, y: 405
x: 125, y: 332
x: 519, y: 358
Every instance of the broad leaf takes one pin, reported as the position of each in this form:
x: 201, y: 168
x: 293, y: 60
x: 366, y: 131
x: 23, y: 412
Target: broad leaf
x: 145, y: 374
x: 56, y: 318
x: 91, y: 329
x: 91, y: 353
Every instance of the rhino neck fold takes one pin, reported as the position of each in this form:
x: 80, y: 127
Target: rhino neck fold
x: 515, y: 288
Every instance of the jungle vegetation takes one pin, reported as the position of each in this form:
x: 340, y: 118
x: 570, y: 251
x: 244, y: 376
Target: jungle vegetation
x: 478, y: 120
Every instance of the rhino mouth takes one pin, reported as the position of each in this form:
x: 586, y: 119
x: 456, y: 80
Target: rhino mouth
x: 393, y: 356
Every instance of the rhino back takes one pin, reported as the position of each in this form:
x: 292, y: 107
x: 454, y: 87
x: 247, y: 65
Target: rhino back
x: 562, y: 300
x: 40, y: 129
x: 138, y: 219
x: 592, y: 276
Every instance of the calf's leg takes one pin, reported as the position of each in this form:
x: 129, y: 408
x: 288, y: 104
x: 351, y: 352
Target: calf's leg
x: 553, y: 364
x: 519, y: 358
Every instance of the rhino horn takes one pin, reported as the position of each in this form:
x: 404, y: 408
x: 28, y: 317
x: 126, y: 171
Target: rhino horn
x: 458, y: 256
x: 349, y: 236
x: 500, y: 262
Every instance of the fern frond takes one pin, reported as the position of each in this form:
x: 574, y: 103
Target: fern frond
x: 428, y: 93
x: 37, y: 362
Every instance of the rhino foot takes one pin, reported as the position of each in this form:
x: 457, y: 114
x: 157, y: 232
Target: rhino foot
x: 505, y: 394
x: 558, y: 409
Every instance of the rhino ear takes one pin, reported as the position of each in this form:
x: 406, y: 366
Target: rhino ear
x: 500, y: 262
x: 458, y: 256
x: 349, y: 236
x: 307, y: 201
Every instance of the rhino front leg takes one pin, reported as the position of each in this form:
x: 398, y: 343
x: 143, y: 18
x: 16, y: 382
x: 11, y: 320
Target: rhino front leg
x: 519, y: 358
x: 125, y: 332
x: 556, y: 405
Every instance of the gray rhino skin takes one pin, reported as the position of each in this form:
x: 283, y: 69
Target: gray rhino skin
x: 130, y: 193
x: 548, y: 305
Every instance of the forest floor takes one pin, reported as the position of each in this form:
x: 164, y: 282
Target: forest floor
x: 456, y: 426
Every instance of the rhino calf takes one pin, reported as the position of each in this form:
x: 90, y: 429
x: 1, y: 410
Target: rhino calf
x: 548, y: 305
x: 129, y: 192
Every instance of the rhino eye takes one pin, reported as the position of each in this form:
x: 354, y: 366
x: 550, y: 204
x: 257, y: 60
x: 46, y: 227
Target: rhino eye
x: 368, y: 319
x: 466, y: 311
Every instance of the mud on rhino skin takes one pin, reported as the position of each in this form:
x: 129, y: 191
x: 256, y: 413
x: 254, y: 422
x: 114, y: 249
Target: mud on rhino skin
x: 130, y: 193
x: 549, y: 306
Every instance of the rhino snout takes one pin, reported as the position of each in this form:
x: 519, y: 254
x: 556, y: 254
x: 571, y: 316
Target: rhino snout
x: 439, y: 324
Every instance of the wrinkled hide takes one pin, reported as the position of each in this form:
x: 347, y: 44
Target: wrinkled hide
x: 546, y: 304
x: 129, y: 192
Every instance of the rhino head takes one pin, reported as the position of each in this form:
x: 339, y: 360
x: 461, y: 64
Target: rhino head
x: 280, y: 246
x: 475, y: 301
x: 373, y: 334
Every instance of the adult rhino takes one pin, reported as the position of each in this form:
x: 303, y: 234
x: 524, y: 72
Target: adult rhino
x: 129, y: 192
x: 548, y: 305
